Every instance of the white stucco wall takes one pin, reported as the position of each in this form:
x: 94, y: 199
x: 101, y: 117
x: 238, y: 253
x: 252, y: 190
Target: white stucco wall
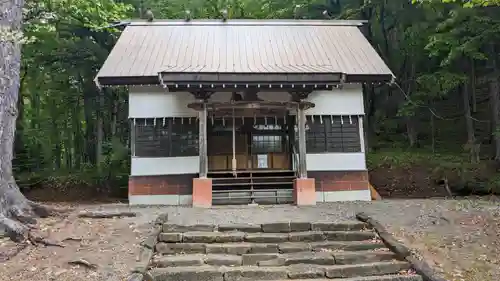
x: 154, y: 101
x: 154, y: 166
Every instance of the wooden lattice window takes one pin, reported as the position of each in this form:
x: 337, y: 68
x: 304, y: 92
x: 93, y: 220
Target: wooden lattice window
x: 165, y: 137
x: 332, y: 134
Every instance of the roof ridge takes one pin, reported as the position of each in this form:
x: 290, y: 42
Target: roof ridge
x: 245, y: 22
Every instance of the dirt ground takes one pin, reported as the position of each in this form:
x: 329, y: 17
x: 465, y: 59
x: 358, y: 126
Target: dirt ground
x: 461, y: 238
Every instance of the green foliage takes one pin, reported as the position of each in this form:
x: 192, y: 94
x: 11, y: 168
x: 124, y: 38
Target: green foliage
x: 431, y: 46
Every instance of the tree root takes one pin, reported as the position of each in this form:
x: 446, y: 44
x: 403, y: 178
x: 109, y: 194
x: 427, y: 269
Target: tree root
x: 84, y: 263
x: 46, y: 211
x: 14, y: 229
x: 7, y: 256
x: 37, y: 239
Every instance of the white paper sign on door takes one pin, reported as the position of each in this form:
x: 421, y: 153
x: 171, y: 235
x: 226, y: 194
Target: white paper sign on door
x: 262, y: 161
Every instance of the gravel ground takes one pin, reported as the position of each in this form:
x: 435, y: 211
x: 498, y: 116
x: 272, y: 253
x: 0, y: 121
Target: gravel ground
x: 459, y: 237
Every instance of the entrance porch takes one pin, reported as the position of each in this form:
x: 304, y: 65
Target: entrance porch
x: 252, y: 150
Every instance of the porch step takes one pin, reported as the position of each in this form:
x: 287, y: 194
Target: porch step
x: 263, y: 187
x: 269, y: 259
x: 254, y: 183
x: 238, y: 236
x: 388, y: 271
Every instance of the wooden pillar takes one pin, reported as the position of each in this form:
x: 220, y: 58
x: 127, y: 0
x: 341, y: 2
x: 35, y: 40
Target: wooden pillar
x: 203, y: 141
x: 301, y: 127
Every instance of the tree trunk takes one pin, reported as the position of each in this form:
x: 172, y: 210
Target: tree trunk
x: 495, y: 106
x: 13, y: 204
x: 472, y: 146
x: 15, y: 209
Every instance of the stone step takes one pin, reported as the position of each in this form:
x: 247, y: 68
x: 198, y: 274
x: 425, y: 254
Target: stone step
x: 274, y: 259
x: 297, y: 271
x: 263, y: 237
x: 240, y: 248
x: 278, y: 227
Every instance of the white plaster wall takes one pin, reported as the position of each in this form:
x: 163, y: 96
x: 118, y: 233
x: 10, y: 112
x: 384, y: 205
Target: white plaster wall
x: 165, y: 200
x: 336, y: 162
x: 154, y: 101
x: 347, y: 195
x: 144, y: 166
x: 345, y: 101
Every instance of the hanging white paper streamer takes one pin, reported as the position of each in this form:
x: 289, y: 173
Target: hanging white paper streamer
x: 341, y: 120
x: 321, y: 119
x: 350, y: 119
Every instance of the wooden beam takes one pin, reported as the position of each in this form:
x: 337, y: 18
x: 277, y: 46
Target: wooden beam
x: 301, y: 116
x: 203, y: 141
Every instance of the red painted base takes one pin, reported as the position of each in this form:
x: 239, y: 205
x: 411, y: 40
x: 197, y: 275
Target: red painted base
x: 304, y: 192
x: 202, y: 192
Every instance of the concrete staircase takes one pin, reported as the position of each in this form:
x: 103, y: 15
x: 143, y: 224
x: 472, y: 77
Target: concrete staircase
x: 345, y: 251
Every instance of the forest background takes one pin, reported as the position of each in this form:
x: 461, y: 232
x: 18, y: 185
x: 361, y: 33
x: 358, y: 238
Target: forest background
x: 439, y: 124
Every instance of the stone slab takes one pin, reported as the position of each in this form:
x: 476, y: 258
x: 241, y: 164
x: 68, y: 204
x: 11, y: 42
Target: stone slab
x: 294, y: 247
x: 266, y: 237
x: 152, y: 238
x: 375, y: 278
x: 170, y: 237
x: 277, y: 227
x: 135, y: 277
x: 253, y: 273
x: 170, y: 227
x: 279, y: 261
x: 346, y: 258
x: 180, y: 248
x: 338, y: 226
x: 223, y: 260
x: 254, y: 259
x: 308, y: 258
x: 346, y: 245
x: 199, y: 237
x: 349, y: 235
x: 249, y: 228
x: 188, y: 273
x: 229, y: 248
x: 231, y: 236
x: 303, y: 271
x: 263, y: 248
x: 181, y: 260
x: 307, y: 236
x: 367, y: 269
x: 143, y: 260
x: 300, y: 226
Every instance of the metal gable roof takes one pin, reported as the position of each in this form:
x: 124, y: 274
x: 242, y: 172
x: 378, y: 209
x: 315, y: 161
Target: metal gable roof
x: 245, y: 46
